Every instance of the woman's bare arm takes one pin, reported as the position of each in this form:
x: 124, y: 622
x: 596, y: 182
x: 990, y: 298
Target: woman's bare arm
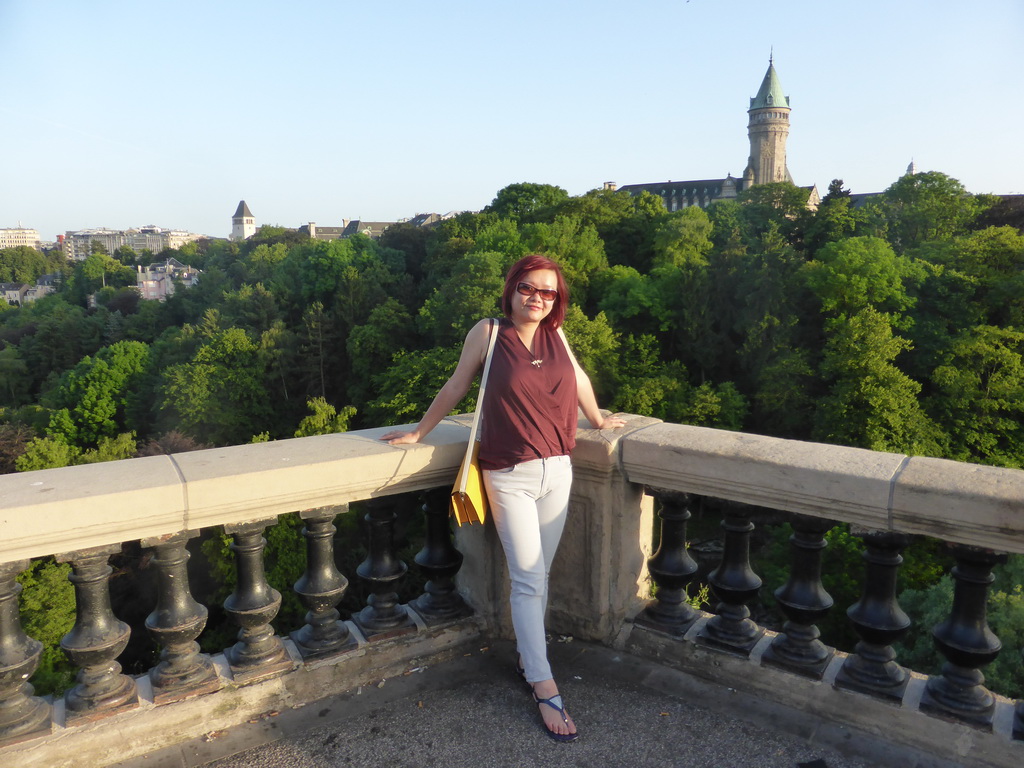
x: 470, y: 361
x: 585, y: 394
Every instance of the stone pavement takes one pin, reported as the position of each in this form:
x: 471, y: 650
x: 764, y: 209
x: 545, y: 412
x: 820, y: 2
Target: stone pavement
x: 474, y: 712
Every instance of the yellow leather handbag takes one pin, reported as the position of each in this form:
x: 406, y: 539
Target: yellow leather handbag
x: 469, y: 499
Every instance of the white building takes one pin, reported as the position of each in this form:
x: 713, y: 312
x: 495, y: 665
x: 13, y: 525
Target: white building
x: 78, y: 244
x: 243, y: 223
x: 156, y: 282
x: 18, y: 236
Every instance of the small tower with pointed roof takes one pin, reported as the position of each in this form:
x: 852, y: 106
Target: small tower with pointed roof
x: 243, y: 223
x: 768, y: 130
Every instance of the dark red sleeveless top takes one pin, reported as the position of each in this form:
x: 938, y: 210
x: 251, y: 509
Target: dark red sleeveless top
x: 530, y: 409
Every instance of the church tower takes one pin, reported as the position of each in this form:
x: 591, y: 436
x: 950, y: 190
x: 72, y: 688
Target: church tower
x: 768, y: 130
x: 243, y: 223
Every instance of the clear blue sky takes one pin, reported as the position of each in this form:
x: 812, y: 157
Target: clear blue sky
x: 120, y: 113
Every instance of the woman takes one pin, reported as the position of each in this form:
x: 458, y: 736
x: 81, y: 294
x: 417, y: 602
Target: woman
x: 528, y: 431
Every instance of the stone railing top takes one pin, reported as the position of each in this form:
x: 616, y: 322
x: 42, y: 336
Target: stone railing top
x: 63, y: 510
x: 955, y: 501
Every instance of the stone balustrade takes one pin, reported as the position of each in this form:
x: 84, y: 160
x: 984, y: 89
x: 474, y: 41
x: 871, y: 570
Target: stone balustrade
x: 601, y: 584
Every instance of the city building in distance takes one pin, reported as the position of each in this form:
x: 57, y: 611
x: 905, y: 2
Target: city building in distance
x: 157, y: 281
x: 19, y: 236
x: 77, y: 244
x: 767, y: 129
x: 243, y: 223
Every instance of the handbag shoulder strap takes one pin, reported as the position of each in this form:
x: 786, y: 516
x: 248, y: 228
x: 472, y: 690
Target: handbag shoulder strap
x: 464, y: 477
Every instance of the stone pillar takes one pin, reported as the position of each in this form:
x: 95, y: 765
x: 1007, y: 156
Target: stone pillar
x: 966, y: 641
x: 441, y: 561
x: 259, y: 653
x: 383, y: 616
x: 671, y: 568
x: 735, y: 584
x: 22, y: 715
x: 175, y: 624
x: 879, y: 621
x: 321, y: 588
x: 96, y: 640
x: 804, y: 602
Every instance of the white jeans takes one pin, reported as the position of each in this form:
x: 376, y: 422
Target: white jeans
x: 529, y: 503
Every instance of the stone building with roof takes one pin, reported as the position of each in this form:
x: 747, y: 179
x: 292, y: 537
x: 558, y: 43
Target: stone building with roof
x: 767, y: 129
x: 243, y: 223
x: 157, y: 281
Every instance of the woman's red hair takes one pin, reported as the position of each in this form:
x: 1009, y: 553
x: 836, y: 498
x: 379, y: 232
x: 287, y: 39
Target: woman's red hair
x: 529, y: 263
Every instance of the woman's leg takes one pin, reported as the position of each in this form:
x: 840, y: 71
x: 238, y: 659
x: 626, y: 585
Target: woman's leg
x: 529, y: 505
x: 552, y: 511
x: 513, y: 498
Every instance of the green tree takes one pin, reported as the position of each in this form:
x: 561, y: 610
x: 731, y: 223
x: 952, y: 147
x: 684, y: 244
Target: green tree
x: 979, y: 396
x: 47, y: 614
x: 623, y: 222
x: 525, y: 200
x: 251, y: 307
x: 56, y: 335
x: 22, y: 264
x: 471, y: 293
x: 55, y: 452
x: 834, y: 219
x: 859, y: 272
x: 596, y: 347
x: 408, y: 386
x: 681, y: 281
x: 650, y: 387
x: 92, y: 399
x: 779, y: 202
x: 574, y: 245
x: 14, y: 379
x: 870, y: 402
x: 921, y: 207
x: 324, y: 419
x: 98, y: 267
x: 219, y: 396
x: 994, y: 260
x: 371, y: 346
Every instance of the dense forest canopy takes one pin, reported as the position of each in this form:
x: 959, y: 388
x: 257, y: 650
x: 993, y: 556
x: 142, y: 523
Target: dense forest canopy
x: 896, y: 325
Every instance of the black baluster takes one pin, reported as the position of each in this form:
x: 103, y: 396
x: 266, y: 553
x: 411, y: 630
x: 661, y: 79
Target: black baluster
x: 22, y: 715
x: 671, y: 568
x: 380, y: 571
x: 440, y: 561
x: 96, y: 640
x: 175, y: 624
x: 321, y: 588
x: 259, y: 653
x: 734, y: 584
x: 879, y: 622
x: 804, y: 602
x: 966, y: 641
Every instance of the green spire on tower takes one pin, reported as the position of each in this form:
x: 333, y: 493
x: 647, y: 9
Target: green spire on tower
x: 770, y: 94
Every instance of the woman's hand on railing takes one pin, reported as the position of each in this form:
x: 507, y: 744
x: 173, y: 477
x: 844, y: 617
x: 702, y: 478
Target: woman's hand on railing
x: 400, y: 437
x: 611, y: 422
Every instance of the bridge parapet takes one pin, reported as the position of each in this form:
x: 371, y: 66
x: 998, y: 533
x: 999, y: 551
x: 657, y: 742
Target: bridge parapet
x: 601, y: 583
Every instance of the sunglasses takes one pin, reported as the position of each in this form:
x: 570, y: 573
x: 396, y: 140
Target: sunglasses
x: 528, y: 290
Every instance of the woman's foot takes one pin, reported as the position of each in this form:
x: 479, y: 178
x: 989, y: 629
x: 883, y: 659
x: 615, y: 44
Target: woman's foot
x: 557, y: 722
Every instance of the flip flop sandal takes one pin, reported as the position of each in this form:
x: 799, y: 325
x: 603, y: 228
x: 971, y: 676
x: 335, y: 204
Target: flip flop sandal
x: 556, y: 703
